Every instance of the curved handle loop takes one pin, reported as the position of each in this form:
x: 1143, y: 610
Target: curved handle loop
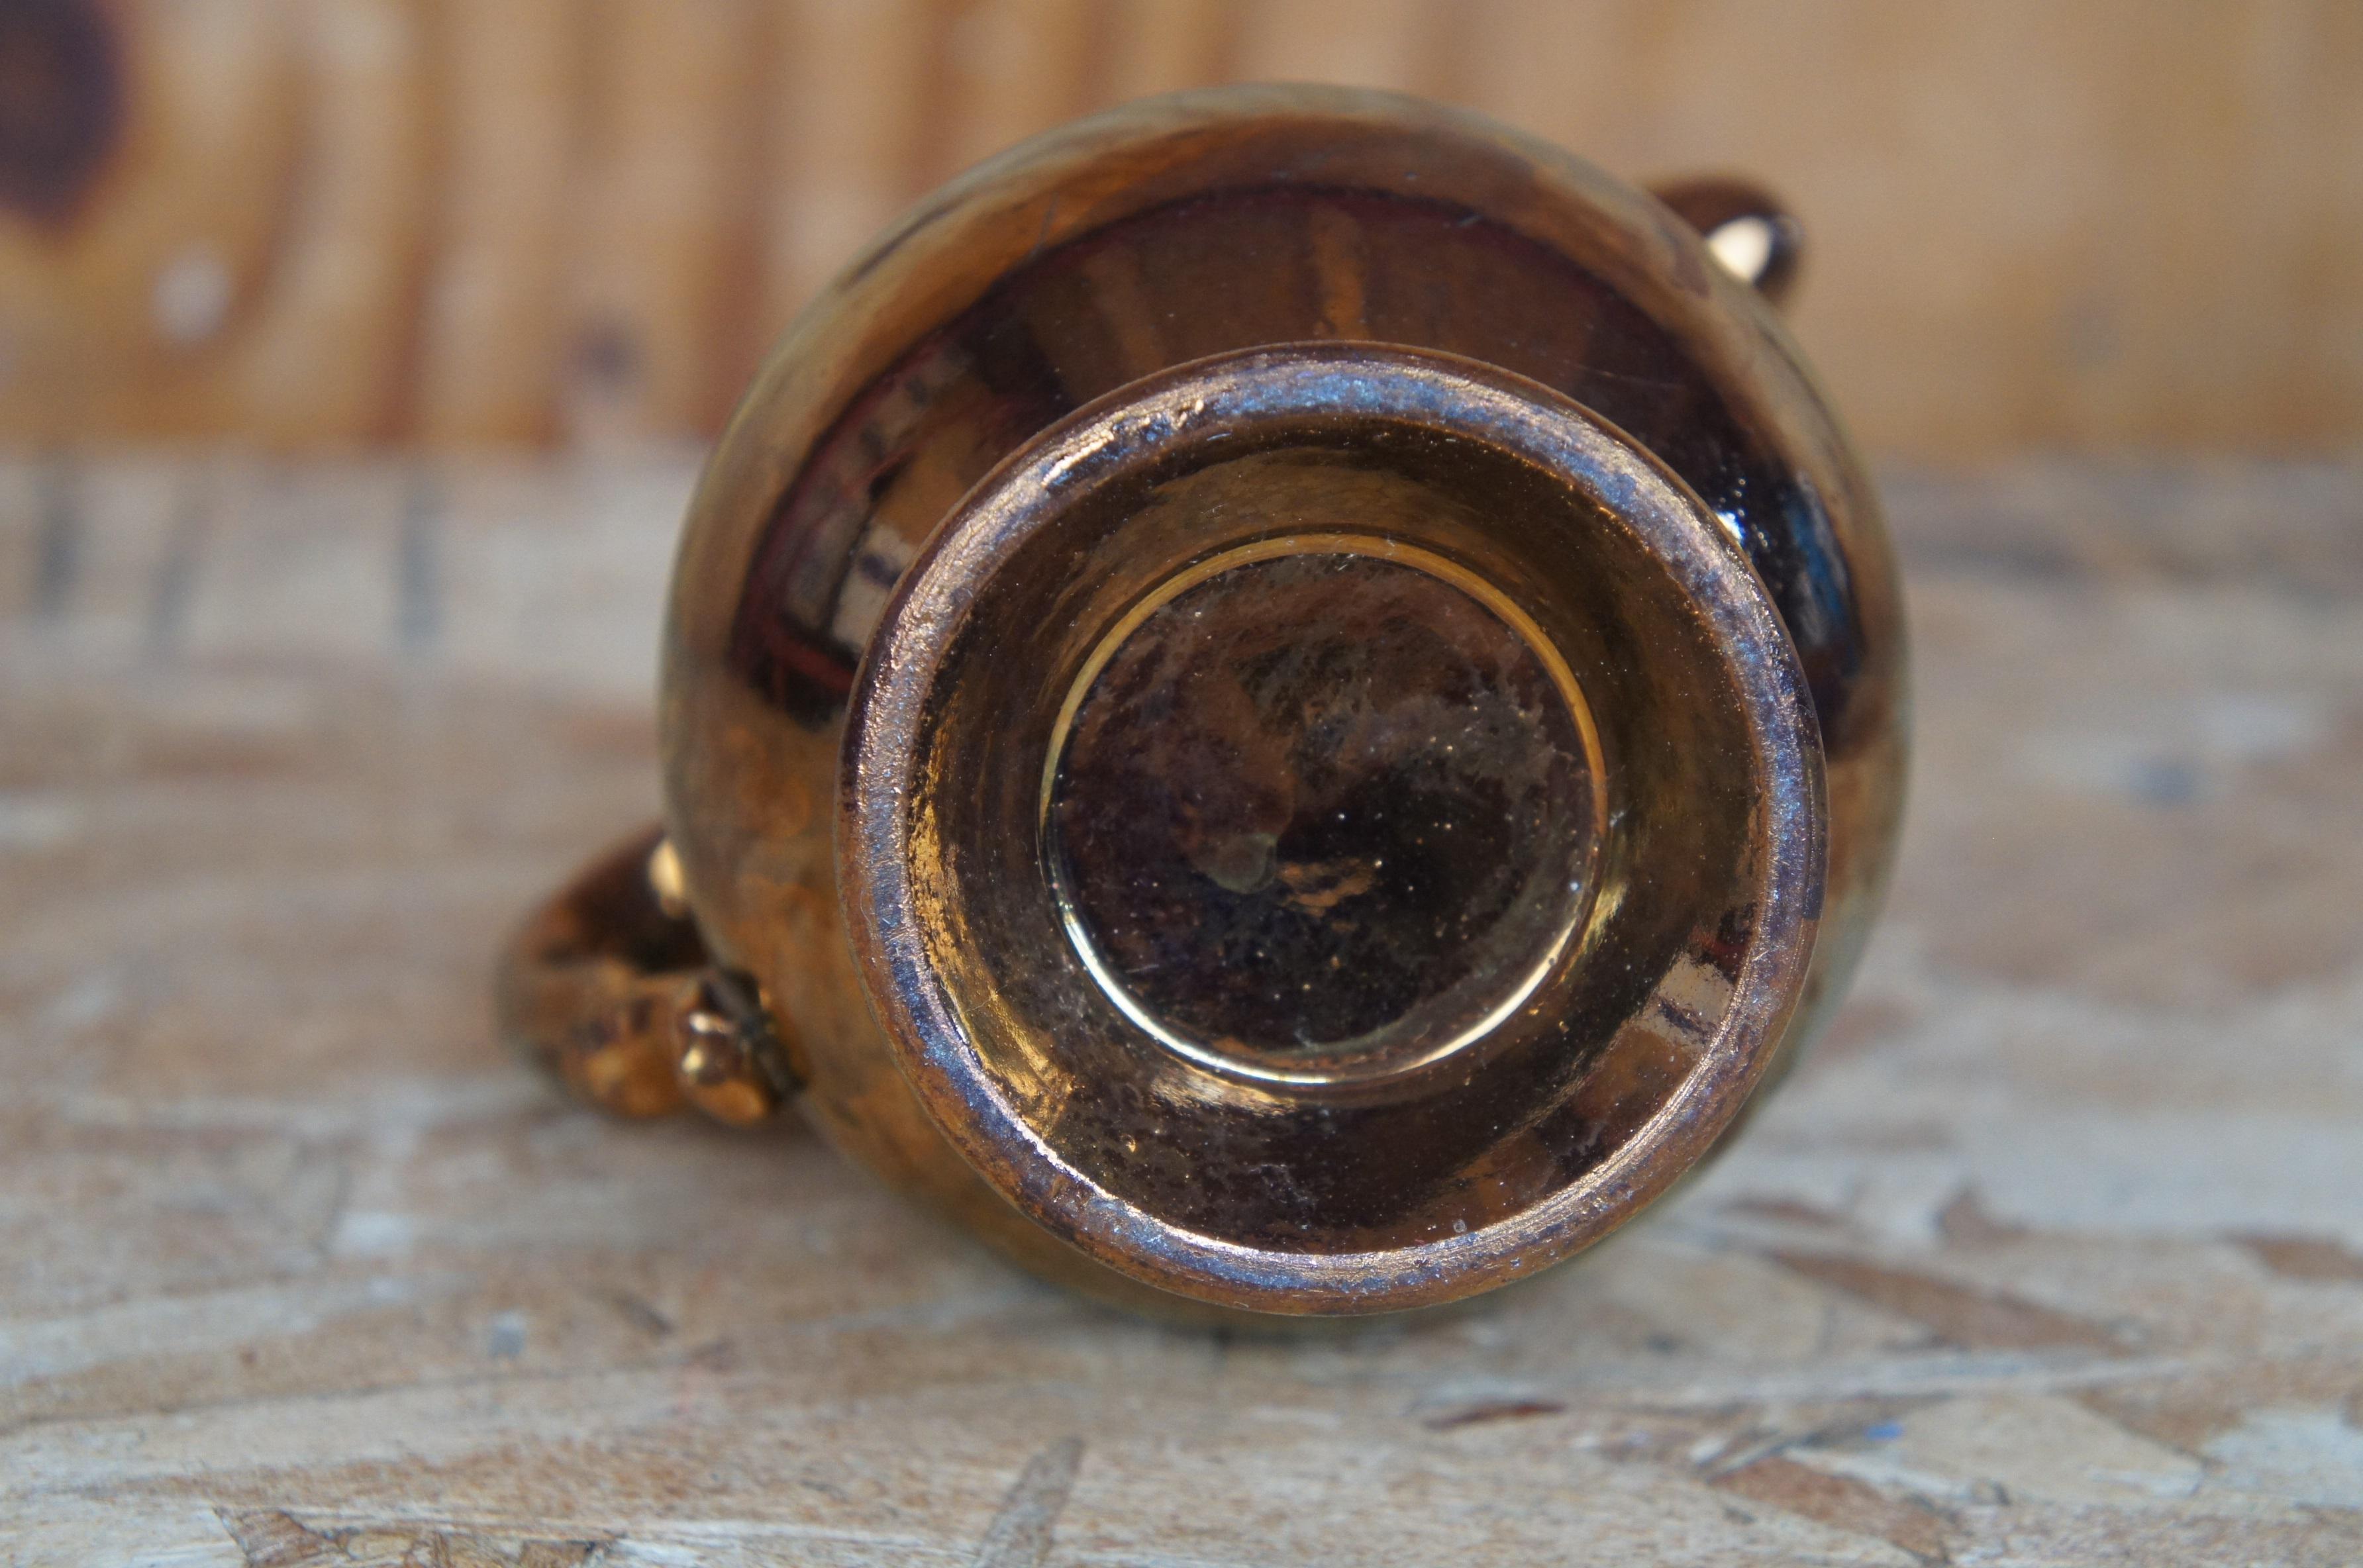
x: 1756, y: 238
x: 609, y: 985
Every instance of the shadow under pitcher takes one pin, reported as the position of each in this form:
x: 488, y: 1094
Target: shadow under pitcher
x: 1284, y: 699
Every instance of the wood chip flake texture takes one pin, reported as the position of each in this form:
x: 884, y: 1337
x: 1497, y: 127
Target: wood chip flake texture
x: 2052, y: 1254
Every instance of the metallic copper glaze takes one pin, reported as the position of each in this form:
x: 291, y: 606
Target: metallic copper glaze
x: 1288, y: 696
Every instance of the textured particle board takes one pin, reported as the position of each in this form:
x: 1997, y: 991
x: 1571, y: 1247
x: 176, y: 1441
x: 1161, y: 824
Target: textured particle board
x: 2054, y: 1253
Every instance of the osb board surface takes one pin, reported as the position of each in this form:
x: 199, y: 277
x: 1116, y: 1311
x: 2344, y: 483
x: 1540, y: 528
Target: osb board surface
x: 323, y: 222
x: 2053, y: 1255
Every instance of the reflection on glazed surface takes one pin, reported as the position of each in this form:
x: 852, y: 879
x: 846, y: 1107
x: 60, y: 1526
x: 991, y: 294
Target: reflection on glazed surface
x: 1124, y: 248
x: 1240, y: 269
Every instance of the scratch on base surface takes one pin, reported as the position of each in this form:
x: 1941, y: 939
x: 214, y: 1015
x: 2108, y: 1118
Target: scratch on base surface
x: 1019, y: 1536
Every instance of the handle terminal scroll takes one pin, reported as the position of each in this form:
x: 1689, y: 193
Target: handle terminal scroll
x: 1757, y: 239
x: 609, y: 985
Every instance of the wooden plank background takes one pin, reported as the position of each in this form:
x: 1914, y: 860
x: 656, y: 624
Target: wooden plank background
x: 2051, y: 1256
x: 2061, y: 224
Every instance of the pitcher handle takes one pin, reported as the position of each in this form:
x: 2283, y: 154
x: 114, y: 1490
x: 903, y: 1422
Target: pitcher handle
x: 609, y: 985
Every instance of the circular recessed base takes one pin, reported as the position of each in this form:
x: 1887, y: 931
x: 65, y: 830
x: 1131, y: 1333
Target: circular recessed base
x: 1331, y: 828
x: 1322, y: 808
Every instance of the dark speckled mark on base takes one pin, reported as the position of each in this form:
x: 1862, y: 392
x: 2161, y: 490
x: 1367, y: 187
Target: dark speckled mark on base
x: 1317, y: 802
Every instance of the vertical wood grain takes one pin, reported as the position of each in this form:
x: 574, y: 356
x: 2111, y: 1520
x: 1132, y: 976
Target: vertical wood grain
x: 664, y: 236
x: 324, y: 359
x: 196, y: 188
x: 850, y: 115
x: 1370, y: 43
x: 2029, y: 225
x: 1163, y: 46
x: 512, y: 89
x: 1010, y: 68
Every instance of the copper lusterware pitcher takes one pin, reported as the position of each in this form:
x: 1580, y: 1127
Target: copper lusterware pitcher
x: 1283, y: 696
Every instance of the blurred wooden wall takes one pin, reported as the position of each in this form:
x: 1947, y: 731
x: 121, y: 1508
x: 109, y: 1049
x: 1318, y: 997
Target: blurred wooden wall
x: 2082, y: 224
